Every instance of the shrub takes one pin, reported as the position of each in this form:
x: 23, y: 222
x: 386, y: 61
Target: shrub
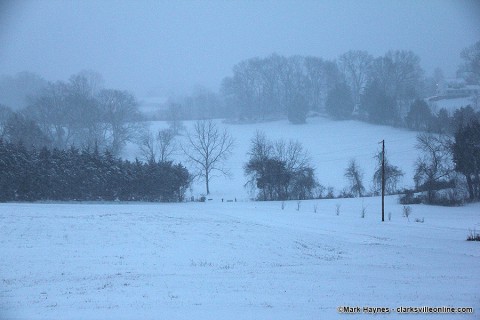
x: 473, y: 236
x: 407, y: 211
x: 337, y: 209
x: 364, y: 211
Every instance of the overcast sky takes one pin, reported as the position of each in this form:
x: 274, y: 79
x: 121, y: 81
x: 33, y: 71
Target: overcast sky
x: 173, y: 46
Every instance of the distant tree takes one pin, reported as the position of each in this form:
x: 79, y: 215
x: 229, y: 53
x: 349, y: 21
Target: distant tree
x: 174, y: 118
x: 166, y: 144
x: 202, y: 104
x: 442, y: 122
x: 148, y: 146
x: 463, y: 117
x: 419, y: 116
x: 399, y: 74
x: 470, y: 69
x: 50, y: 110
x: 290, y: 86
x: 293, y: 84
x: 392, y: 176
x: 83, y: 114
x: 433, y: 83
x: 434, y: 167
x: 121, y: 116
x: 355, y: 177
x: 340, y: 104
x: 5, y: 114
x: 315, y: 82
x: 206, y: 149
x: 377, y: 106
x: 19, y: 129
x: 466, y: 156
x: 356, y: 66
x: 297, y: 109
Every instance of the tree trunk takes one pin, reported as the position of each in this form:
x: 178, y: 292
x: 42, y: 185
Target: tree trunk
x: 470, y: 187
x: 207, y: 184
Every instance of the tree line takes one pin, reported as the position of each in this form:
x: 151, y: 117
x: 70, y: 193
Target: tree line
x: 78, y: 112
x: 85, y: 175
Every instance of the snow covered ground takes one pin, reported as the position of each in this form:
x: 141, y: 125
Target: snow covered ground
x: 451, y: 105
x: 235, y: 260
x: 331, y: 145
x: 244, y: 260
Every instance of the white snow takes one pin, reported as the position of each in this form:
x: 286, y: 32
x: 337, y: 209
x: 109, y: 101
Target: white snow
x: 331, y: 145
x: 238, y: 260
x: 244, y: 260
x: 451, y: 105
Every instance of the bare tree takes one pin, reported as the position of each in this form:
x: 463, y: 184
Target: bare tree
x: 166, y: 144
x: 355, y: 177
x: 393, y: 174
x: 292, y: 153
x: 49, y: 109
x: 207, y: 149
x: 120, y: 115
x: 435, y: 165
x: 356, y: 67
x: 471, y: 66
x: 148, y: 146
x: 174, y: 117
x: 160, y: 146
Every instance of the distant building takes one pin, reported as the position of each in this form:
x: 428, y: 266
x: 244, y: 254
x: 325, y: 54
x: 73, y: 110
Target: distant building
x: 453, y: 94
x: 457, y: 88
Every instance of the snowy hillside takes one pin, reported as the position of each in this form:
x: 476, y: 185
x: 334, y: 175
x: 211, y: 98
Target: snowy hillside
x: 451, y: 104
x: 243, y: 260
x: 331, y: 144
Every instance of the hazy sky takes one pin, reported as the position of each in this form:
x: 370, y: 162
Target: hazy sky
x: 173, y: 46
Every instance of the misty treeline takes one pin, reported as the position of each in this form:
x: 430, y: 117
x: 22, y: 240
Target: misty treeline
x: 389, y: 89
x: 85, y: 175
x: 79, y: 112
x: 81, y: 117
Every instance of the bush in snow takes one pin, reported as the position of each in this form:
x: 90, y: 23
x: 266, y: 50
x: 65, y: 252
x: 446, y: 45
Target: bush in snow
x: 473, y: 236
x: 407, y: 211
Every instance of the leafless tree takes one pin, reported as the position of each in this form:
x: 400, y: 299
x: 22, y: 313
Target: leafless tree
x: 174, y: 118
x: 355, y: 178
x: 292, y: 153
x: 471, y: 66
x: 393, y: 174
x: 166, y: 144
x: 157, y: 146
x: 50, y: 110
x: 356, y: 68
x: 435, y: 165
x: 206, y: 149
x: 148, y: 146
x: 120, y: 115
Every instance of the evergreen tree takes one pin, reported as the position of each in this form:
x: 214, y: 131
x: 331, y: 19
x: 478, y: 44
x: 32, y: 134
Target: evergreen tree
x: 339, y: 104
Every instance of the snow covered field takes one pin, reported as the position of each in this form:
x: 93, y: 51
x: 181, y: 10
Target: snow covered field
x: 236, y: 260
x: 244, y: 260
x: 331, y: 145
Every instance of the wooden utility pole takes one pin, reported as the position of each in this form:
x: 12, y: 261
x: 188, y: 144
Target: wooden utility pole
x: 383, y: 180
